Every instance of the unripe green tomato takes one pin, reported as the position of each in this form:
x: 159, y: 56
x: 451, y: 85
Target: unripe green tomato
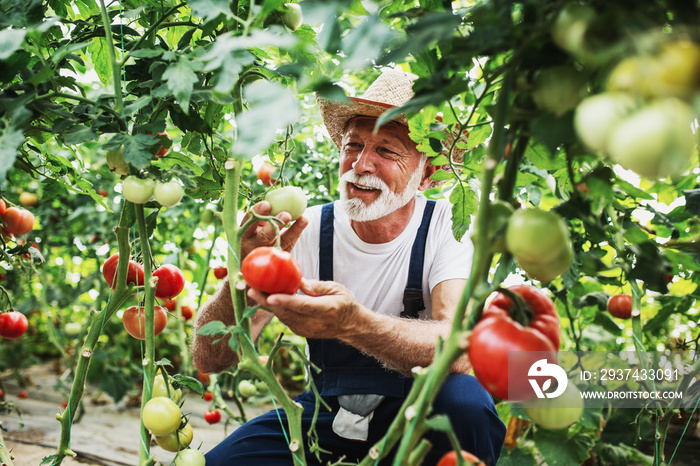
x: 178, y: 440
x: 288, y: 199
x: 72, y: 329
x: 292, y: 17
x: 168, y: 194
x: 559, y: 412
x: 137, y: 190
x: 116, y: 162
x: 159, y: 389
x: 190, y: 457
x: 246, y: 388
x: 569, y: 28
x: 559, y: 89
x: 161, y: 416
x: 656, y: 141
x: 598, y: 115
x: 500, y: 213
x: 539, y: 241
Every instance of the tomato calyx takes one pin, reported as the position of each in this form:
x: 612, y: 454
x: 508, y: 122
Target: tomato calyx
x: 521, y: 311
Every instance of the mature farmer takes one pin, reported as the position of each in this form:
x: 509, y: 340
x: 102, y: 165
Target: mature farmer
x: 383, y: 274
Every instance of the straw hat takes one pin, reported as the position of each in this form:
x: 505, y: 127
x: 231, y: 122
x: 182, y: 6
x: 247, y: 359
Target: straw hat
x: 393, y: 88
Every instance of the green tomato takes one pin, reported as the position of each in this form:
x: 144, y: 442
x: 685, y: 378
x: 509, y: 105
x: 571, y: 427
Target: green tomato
x: 176, y: 441
x: 190, y: 457
x: 116, y: 162
x: 559, y: 89
x: 292, y: 17
x: 570, y: 26
x: 168, y: 194
x: 246, y: 388
x: 559, y: 412
x: 288, y: 199
x: 161, y: 416
x: 500, y: 213
x: 72, y: 329
x: 539, y: 241
x: 137, y: 190
x: 656, y: 141
x: 159, y: 389
x: 598, y: 115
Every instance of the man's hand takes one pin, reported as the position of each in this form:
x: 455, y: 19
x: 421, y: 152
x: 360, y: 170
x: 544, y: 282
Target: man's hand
x: 325, y: 311
x: 263, y: 233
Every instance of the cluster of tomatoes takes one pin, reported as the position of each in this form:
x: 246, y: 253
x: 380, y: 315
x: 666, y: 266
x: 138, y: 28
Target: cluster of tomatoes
x: 171, y: 282
x: 163, y: 417
x: 17, y: 221
x: 643, y: 119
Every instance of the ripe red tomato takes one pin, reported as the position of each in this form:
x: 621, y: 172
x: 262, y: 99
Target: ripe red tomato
x: 134, y: 273
x: 220, y: 272
x: 134, y: 320
x: 23, y: 394
x: 18, y: 221
x: 208, y: 396
x: 170, y: 304
x: 620, y: 305
x: 497, y: 333
x: 2, y: 394
x: 265, y: 174
x: 64, y: 404
x: 204, y: 378
x: 212, y: 417
x: 171, y: 281
x: 164, y: 138
x: 13, y: 324
x: 271, y: 270
x: 187, y: 312
x: 450, y: 458
x: 3, y: 207
x: 102, y: 192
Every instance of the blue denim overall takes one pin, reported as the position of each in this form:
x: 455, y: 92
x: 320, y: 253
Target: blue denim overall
x: 263, y: 441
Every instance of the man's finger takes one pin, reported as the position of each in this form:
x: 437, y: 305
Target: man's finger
x: 289, y: 237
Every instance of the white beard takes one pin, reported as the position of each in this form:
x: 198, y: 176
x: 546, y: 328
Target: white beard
x: 387, y: 202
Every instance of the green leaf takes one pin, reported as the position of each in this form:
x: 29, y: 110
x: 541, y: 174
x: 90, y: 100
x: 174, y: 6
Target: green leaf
x: 213, y: 328
x: 478, y: 135
x: 563, y: 448
x: 181, y: 79
x: 10, y: 41
x: 365, y: 42
x: 464, y: 204
x: 100, y: 59
x: 210, y: 9
x: 271, y: 108
x: 10, y: 140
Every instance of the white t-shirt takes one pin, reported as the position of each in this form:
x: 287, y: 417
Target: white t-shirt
x: 376, y: 274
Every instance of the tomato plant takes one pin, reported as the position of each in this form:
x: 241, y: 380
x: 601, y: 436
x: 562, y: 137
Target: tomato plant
x: 264, y: 174
x: 271, y: 270
x: 161, y: 416
x: 559, y: 412
x: 539, y: 241
x: 213, y: 416
x: 134, y: 321
x: 137, y: 190
x: 178, y: 440
x: 168, y: 194
x: 497, y: 333
x: 134, y: 274
x: 171, y: 281
x: 287, y: 199
x: 13, y: 324
x: 450, y: 459
x: 18, y: 221
x: 620, y: 305
x: 220, y: 272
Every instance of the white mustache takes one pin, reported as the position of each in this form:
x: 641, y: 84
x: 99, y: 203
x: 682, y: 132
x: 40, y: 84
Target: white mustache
x: 364, y: 181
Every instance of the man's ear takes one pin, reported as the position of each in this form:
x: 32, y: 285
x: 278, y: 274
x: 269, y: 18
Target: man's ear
x: 428, y: 170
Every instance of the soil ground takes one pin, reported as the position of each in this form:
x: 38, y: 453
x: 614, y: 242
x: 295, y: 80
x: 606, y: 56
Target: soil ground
x: 106, y: 435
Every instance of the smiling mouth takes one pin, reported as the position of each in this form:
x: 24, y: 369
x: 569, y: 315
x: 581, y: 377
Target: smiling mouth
x: 363, y: 188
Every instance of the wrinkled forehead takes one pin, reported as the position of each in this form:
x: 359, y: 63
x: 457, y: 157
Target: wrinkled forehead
x: 391, y: 129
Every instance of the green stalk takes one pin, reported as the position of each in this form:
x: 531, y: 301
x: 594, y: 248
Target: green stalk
x: 116, y: 68
x: 121, y: 293
x: 149, y: 356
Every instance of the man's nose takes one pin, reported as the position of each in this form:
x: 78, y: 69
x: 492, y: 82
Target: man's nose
x: 365, y: 161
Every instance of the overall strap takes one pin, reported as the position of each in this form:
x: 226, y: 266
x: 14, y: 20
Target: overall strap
x: 325, y: 261
x: 413, y: 294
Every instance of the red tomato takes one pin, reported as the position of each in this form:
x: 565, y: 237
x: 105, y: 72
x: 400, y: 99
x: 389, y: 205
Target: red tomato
x: 212, y: 417
x: 13, y: 324
x: 23, y: 394
x: 620, y: 306
x: 497, y: 333
x: 134, y: 273
x: 171, y: 281
x: 2, y: 394
x: 450, y: 459
x: 3, y: 207
x: 18, y: 221
x: 102, y: 192
x: 220, y: 272
x: 204, y: 378
x: 187, y: 312
x: 64, y: 404
x: 134, y: 320
x: 271, y: 270
x: 170, y: 304
x: 265, y: 174
x: 208, y: 396
x: 162, y: 150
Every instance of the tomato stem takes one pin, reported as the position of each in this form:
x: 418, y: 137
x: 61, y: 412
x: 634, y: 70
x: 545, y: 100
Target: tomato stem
x: 521, y: 312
